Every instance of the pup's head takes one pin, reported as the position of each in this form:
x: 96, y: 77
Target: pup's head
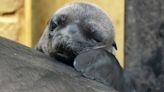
x: 74, y: 28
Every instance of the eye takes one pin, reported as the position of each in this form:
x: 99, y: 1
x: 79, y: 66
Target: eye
x: 62, y: 19
x: 57, y: 21
x: 52, y: 26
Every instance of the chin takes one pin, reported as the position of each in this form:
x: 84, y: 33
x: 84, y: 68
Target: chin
x: 64, y: 53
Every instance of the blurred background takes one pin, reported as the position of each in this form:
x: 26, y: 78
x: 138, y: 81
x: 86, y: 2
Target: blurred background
x: 24, y: 20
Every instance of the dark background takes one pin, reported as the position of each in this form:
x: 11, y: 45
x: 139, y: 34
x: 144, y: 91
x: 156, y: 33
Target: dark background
x: 144, y: 43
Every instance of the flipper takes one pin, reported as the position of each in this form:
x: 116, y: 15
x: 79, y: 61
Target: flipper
x: 102, y: 66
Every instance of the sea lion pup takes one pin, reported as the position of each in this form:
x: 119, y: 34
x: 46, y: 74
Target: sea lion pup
x: 74, y: 28
x: 78, y: 28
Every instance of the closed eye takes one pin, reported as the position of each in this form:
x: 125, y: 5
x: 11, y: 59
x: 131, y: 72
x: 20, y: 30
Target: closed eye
x: 96, y: 36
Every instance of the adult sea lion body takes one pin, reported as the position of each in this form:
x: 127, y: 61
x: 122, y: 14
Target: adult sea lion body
x: 78, y: 28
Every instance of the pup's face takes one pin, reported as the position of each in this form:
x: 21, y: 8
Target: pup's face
x: 74, y: 28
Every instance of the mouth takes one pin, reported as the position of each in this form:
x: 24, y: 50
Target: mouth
x: 64, y: 54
